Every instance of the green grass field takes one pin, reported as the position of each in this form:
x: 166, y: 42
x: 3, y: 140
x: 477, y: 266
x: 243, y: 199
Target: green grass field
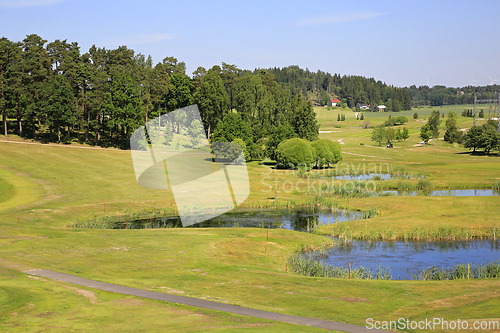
x: 45, y: 188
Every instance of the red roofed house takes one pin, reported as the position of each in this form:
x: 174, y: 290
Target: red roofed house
x: 335, y: 101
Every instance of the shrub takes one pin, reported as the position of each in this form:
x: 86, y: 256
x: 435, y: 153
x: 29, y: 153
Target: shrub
x: 295, y: 152
x: 327, y: 152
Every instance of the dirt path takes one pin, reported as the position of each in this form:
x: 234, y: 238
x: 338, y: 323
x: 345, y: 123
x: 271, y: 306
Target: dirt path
x: 199, y: 303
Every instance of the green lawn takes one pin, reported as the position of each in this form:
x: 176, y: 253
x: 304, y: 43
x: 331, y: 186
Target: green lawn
x: 46, y: 188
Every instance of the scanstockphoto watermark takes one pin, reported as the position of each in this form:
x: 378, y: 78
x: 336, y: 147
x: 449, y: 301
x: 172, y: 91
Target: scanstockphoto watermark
x: 323, y: 180
x: 432, y: 324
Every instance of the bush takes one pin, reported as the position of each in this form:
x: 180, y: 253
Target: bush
x: 295, y: 152
x: 415, y: 115
x: 327, y: 152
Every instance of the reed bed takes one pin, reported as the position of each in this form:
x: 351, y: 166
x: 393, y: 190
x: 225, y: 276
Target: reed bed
x: 459, y: 271
x: 307, y: 266
x: 439, y: 233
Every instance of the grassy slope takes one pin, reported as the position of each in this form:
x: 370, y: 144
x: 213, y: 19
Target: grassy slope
x: 67, y: 184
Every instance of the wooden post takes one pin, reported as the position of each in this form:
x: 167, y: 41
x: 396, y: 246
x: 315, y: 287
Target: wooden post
x: 127, y: 224
x: 349, y: 270
x: 18, y: 219
x: 286, y: 268
x: 468, y: 271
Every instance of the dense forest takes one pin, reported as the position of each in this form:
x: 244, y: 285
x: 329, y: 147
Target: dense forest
x: 52, y: 92
x: 351, y: 90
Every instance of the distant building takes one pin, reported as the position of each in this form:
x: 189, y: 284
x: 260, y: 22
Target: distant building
x: 364, y: 107
x: 335, y: 101
x: 381, y: 108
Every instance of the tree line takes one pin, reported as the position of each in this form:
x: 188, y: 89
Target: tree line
x: 441, y: 95
x: 53, y: 92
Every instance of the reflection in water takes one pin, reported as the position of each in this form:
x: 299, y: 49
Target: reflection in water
x: 299, y: 220
x: 407, y: 258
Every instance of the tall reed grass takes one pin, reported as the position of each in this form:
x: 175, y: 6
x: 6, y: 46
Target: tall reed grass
x: 307, y: 266
x: 441, y: 232
x: 459, y: 271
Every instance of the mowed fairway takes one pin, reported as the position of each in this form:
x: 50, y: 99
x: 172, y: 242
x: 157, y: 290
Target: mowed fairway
x: 44, y: 188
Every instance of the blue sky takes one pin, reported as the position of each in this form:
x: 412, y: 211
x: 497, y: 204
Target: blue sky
x: 398, y: 42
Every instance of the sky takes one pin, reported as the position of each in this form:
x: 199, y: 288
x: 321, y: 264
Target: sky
x: 401, y: 43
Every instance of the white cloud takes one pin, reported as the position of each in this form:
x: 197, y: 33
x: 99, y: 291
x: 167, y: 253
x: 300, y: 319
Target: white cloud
x: 135, y: 39
x: 358, y: 16
x: 28, y: 3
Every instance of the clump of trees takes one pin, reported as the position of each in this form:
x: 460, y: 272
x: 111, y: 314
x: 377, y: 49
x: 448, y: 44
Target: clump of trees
x: 381, y: 134
x: 392, y: 121
x: 297, y: 152
x: 431, y: 128
x: 484, y: 137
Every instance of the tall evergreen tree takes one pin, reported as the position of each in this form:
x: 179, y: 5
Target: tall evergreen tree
x: 304, y: 119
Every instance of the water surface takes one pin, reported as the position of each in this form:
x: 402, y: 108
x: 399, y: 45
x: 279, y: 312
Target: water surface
x: 405, y: 258
x: 299, y: 220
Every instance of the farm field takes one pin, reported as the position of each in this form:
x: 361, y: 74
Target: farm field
x: 46, y: 188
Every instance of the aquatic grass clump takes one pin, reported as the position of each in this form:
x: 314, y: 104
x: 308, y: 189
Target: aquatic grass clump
x: 459, y: 271
x: 308, y: 266
x: 405, y: 186
x: 424, y: 185
x: 370, y: 212
x: 496, y: 185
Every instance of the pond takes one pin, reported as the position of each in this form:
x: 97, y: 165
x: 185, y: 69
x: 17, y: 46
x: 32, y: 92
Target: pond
x: 448, y: 193
x: 299, y: 220
x: 406, y: 258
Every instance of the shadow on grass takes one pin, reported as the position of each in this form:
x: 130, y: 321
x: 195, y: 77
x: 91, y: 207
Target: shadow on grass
x: 478, y: 153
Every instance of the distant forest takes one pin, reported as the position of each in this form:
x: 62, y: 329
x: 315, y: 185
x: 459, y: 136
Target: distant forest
x: 441, y: 95
x: 351, y: 90
x: 355, y: 90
